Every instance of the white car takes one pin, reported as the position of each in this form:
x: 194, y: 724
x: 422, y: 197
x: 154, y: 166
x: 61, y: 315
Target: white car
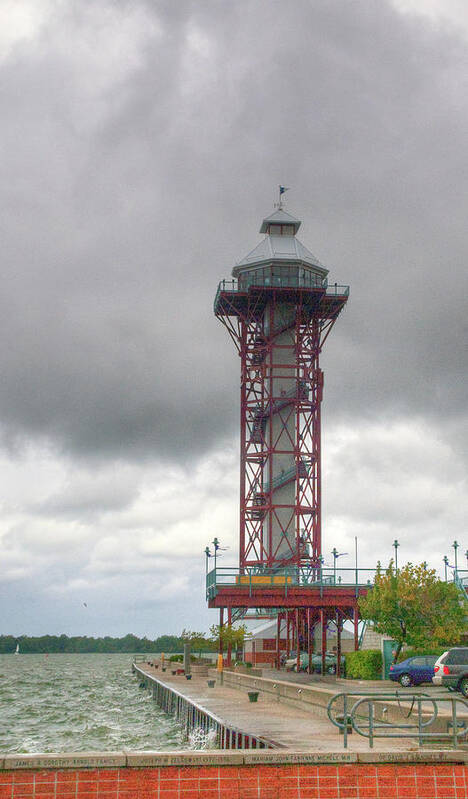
x: 437, y: 678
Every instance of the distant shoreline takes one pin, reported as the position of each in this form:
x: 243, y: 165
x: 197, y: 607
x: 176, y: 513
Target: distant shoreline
x: 83, y: 645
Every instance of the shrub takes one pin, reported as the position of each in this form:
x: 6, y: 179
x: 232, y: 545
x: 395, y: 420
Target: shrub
x: 366, y: 664
x: 413, y: 652
x: 180, y: 659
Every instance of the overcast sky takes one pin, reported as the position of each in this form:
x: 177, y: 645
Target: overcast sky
x: 142, y: 142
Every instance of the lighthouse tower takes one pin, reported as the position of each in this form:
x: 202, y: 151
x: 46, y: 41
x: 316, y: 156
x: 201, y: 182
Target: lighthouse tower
x: 279, y: 309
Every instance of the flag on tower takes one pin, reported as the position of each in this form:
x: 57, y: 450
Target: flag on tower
x: 283, y: 189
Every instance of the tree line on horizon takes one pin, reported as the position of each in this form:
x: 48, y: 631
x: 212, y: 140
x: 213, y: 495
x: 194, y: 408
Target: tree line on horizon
x: 86, y: 644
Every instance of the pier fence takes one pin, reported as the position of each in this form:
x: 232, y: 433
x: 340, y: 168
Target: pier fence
x: 195, y: 719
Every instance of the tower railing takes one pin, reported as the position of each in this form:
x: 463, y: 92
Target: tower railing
x: 252, y: 578
x: 305, y: 281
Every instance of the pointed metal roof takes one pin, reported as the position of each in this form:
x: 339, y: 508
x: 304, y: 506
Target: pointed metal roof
x: 280, y: 217
x: 277, y: 247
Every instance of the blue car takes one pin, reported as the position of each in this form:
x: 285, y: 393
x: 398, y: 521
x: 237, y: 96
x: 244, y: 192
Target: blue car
x: 413, y: 671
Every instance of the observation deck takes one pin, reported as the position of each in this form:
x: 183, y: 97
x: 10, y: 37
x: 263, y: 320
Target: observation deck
x: 252, y: 587
x: 292, y: 285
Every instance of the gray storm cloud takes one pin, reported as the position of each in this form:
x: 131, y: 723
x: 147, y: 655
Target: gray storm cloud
x: 141, y: 145
x: 131, y: 185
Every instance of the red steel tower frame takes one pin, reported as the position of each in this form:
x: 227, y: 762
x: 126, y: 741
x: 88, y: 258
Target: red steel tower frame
x: 279, y: 322
x: 279, y: 310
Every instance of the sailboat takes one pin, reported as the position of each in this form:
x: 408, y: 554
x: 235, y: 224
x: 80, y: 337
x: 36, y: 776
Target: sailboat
x: 17, y: 649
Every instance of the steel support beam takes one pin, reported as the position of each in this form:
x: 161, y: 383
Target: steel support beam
x: 323, y: 624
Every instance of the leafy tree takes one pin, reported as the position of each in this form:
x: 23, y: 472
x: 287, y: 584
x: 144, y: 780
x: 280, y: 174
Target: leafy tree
x: 415, y: 607
x: 198, y: 641
x: 231, y: 636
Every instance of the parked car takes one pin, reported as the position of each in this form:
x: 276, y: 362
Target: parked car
x: 330, y: 663
x: 451, y: 670
x: 413, y: 671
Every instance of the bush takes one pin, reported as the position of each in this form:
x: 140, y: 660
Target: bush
x: 180, y: 659
x: 366, y: 664
x: 413, y: 652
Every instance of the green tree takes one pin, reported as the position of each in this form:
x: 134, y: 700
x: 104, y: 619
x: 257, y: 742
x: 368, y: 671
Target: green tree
x: 415, y: 607
x: 231, y: 636
x: 198, y: 641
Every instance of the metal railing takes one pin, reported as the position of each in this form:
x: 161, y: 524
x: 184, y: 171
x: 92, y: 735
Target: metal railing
x: 361, y: 716
x: 271, y: 280
x: 255, y: 577
x: 193, y: 716
x: 460, y: 578
x: 287, y: 475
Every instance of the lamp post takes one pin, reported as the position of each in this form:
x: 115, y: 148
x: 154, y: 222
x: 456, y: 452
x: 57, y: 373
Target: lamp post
x: 215, y: 543
x: 395, y: 546
x: 207, y: 555
x: 455, y: 546
x: 445, y: 564
x: 335, y: 555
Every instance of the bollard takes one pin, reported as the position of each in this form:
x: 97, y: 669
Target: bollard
x: 219, y: 668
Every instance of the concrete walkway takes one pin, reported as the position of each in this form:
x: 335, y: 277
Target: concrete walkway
x: 291, y: 727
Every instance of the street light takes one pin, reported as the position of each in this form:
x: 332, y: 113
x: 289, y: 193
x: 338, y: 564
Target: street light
x: 466, y: 556
x: 446, y: 563
x: 455, y: 546
x: 336, y: 555
x: 207, y: 555
x: 395, y: 546
x: 215, y: 543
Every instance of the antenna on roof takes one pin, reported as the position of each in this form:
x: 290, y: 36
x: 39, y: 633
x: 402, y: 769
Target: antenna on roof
x: 279, y: 204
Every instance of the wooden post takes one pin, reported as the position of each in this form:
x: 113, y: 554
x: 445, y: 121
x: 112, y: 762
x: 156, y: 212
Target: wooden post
x: 356, y: 629
x: 229, y: 649
x: 323, y: 621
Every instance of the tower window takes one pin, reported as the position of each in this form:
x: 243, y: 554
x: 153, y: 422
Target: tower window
x: 281, y: 230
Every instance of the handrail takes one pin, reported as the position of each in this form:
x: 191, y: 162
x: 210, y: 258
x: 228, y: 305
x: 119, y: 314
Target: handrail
x: 460, y: 584
x: 268, y: 280
x: 369, y: 728
x: 308, y: 576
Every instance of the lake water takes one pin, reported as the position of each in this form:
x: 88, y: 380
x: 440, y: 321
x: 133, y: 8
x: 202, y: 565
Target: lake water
x: 60, y: 703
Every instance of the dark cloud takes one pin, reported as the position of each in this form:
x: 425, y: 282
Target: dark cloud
x: 133, y: 179
x: 141, y: 145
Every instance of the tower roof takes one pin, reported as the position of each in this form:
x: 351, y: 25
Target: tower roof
x: 280, y: 217
x: 280, y: 245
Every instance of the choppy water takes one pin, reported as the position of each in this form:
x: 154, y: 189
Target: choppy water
x: 75, y: 703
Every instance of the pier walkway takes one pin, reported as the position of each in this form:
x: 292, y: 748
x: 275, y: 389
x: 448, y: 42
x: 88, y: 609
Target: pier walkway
x: 298, y: 728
